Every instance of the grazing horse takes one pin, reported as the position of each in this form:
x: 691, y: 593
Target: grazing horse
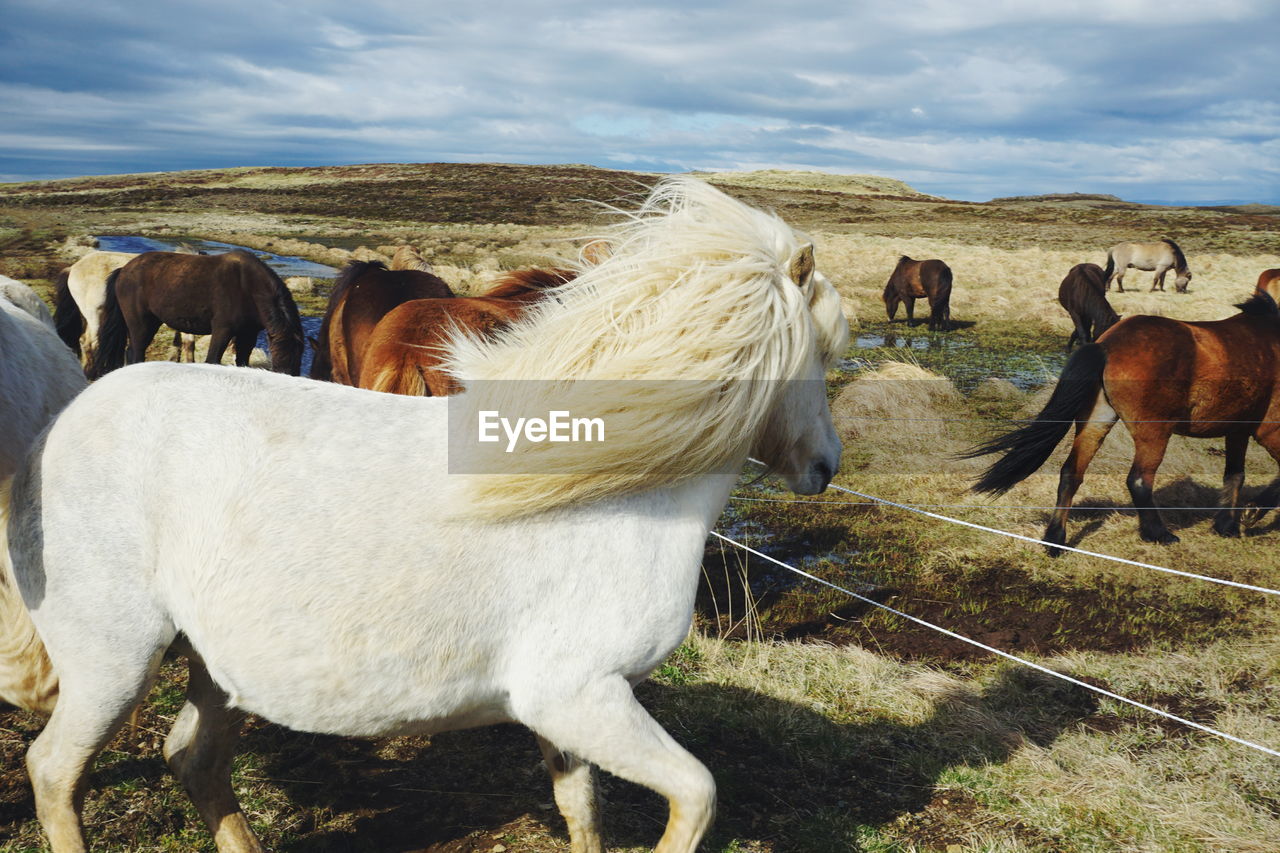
x: 1083, y: 293
x: 407, y: 350
x: 1154, y: 257
x: 362, y: 295
x: 1269, y: 282
x: 912, y: 280
x: 38, y: 375
x: 448, y: 600
x: 1161, y: 377
x: 231, y: 296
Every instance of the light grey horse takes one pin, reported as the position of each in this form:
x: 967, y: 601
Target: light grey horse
x: 1155, y: 257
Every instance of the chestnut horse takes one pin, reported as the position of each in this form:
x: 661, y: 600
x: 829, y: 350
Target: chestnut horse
x: 406, y: 351
x: 1158, y: 258
x: 362, y: 295
x: 232, y: 296
x: 1083, y: 293
x: 1162, y: 377
x: 1269, y: 282
x: 912, y: 280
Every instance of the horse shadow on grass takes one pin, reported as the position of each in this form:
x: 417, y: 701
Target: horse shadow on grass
x: 784, y: 772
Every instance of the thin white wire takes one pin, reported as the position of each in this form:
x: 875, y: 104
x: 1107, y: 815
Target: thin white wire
x: 1004, y: 654
x: 1034, y: 541
x: 974, y: 506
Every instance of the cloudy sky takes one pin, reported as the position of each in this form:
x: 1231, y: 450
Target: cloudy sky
x: 1173, y: 100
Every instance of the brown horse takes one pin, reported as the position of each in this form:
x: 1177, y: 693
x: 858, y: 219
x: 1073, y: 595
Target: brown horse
x: 407, y: 348
x: 232, y: 296
x: 912, y: 280
x: 362, y: 295
x: 1269, y: 282
x: 1084, y: 294
x: 1161, y: 377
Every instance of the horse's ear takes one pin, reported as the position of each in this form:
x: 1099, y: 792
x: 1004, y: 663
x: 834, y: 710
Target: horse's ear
x: 802, y: 265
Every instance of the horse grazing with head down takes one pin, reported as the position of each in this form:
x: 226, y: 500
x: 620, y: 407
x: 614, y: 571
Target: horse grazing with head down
x: 912, y: 280
x: 1162, y: 377
x: 362, y: 295
x: 1083, y: 293
x: 232, y: 296
x: 702, y: 339
x: 1158, y: 258
x: 407, y: 351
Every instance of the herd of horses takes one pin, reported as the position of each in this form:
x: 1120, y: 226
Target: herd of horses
x: 331, y: 575
x: 372, y: 592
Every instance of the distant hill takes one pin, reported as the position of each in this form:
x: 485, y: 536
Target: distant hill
x: 1104, y: 198
x: 777, y: 179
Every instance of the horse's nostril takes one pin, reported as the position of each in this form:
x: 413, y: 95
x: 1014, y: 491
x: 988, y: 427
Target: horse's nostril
x: 824, y: 472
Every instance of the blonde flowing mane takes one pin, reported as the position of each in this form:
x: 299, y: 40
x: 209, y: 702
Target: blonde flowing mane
x: 680, y: 339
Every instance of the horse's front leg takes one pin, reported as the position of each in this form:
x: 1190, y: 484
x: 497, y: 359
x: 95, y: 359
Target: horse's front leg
x: 245, y: 341
x: 1227, y: 521
x: 911, y: 311
x: 218, y: 343
x: 1157, y: 280
x: 574, y: 787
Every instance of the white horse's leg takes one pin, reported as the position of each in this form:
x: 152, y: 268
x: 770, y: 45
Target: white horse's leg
x: 575, y: 793
x: 199, y: 751
x: 88, y: 714
x: 1157, y: 278
x: 604, y: 724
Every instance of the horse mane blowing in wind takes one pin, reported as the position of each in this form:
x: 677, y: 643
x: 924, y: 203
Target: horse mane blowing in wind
x: 373, y: 591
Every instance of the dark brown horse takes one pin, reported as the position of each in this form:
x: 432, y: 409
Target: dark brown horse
x: 1162, y: 377
x: 362, y: 295
x: 1269, y: 282
x: 406, y: 350
x: 232, y: 296
x: 1084, y: 294
x: 912, y: 280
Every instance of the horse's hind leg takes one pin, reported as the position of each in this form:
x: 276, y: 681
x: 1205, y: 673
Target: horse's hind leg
x: 1090, y: 433
x: 1150, y: 440
x: 93, y: 704
x: 1227, y: 522
x: 1268, y: 435
x: 575, y: 794
x: 199, y: 751
x: 603, y: 723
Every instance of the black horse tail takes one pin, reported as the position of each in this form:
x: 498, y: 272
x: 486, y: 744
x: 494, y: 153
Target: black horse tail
x: 113, y: 333
x: 1111, y: 267
x: 67, y: 318
x: 1025, y: 449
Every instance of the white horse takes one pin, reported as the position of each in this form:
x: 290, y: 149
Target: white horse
x: 38, y: 375
x: 19, y: 294
x: 1153, y: 257
x: 332, y: 575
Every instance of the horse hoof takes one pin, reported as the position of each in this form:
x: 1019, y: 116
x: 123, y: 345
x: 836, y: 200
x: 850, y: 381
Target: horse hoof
x: 1228, y: 531
x: 1162, y: 537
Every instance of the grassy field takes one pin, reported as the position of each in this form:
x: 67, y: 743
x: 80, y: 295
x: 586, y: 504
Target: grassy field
x: 830, y: 726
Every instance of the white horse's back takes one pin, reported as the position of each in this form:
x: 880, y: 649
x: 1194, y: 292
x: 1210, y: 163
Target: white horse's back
x: 19, y: 294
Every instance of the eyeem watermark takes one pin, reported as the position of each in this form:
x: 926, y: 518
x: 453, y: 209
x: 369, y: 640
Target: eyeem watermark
x: 559, y: 426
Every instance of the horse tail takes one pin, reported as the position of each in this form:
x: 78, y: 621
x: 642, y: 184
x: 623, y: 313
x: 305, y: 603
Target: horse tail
x: 401, y: 376
x: 27, y: 678
x: 67, y: 318
x: 1111, y: 267
x: 1179, y: 259
x: 113, y: 333
x: 1025, y: 449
